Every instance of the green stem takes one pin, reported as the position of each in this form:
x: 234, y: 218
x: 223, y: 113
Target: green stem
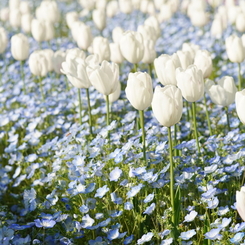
x: 41, y: 87
x: 171, y: 178
x: 227, y: 116
x: 195, y: 124
x: 89, y: 111
x: 142, y: 124
x: 150, y: 70
x: 176, y: 152
x: 207, y: 116
x: 239, y: 77
x: 135, y: 67
x: 80, y: 105
x: 107, y: 110
x: 22, y: 75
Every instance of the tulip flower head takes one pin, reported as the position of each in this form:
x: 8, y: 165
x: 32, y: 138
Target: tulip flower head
x: 139, y: 90
x: 240, y: 102
x: 240, y: 202
x: 20, y: 47
x: 167, y: 105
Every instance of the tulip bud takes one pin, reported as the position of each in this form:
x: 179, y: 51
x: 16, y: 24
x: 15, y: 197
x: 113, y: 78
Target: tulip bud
x: 3, y: 40
x: 117, y: 33
x: 75, y: 70
x: 153, y: 22
x: 88, y: 5
x: 190, y: 82
x: 185, y: 58
x: 112, y: 8
x: 99, y: 18
x: 48, y: 11
x: 224, y: 92
x: 101, y: 47
x: 105, y: 77
x: 14, y: 4
x: 26, y: 20
x: 240, y: 22
x: 147, y: 32
x: 240, y: 102
x: 167, y: 105
x: 217, y: 27
x: 20, y: 47
x: 74, y: 53
x: 116, y: 55
x: 149, y: 52
x: 139, y: 90
x: 192, y: 48
x: 71, y: 17
x: 240, y: 202
x: 38, y: 29
x: 235, y: 49
x: 199, y: 18
x: 233, y: 12
x: 58, y: 57
x: 125, y: 6
x: 15, y: 18
x: 25, y: 7
x: 165, y: 66
x: 49, y: 53
x: 132, y: 47
x: 4, y: 14
x: 82, y: 35
x: 165, y: 12
x: 38, y: 63
x: 49, y: 30
x: 115, y: 95
x: 203, y: 61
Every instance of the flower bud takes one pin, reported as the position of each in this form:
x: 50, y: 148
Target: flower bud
x: 26, y: 20
x: 71, y: 17
x: 132, y: 47
x: 4, y: 14
x: 167, y: 105
x: 99, y: 18
x: 203, y: 61
x: 20, y: 47
x: 25, y: 7
x: 192, y: 48
x: 117, y: 33
x: 105, y: 77
x: 240, y: 202
x: 165, y: 66
x: 240, y: 22
x: 101, y: 47
x: 49, y: 53
x: 185, y: 58
x: 116, y: 55
x: 235, y: 49
x: 224, y: 92
x: 240, y: 102
x: 15, y: 18
x: 38, y: 29
x: 139, y: 90
x: 149, y: 52
x: 125, y: 6
x: 38, y: 63
x: 112, y: 8
x: 58, y: 57
x: 3, y: 40
x: 115, y: 95
x: 190, y: 82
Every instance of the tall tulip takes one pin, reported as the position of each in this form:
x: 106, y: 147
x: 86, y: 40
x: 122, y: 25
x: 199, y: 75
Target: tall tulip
x: 191, y: 83
x: 105, y: 79
x: 204, y: 62
x: 99, y: 18
x: 132, y: 46
x: 236, y: 53
x: 139, y: 92
x: 165, y: 66
x: 167, y: 106
x: 240, y: 102
x: 101, y: 47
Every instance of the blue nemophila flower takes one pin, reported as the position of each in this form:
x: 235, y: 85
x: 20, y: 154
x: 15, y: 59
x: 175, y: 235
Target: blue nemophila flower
x: 225, y: 222
x: 164, y: 233
x: 105, y: 222
x: 101, y: 191
x: 238, y: 227
x: 113, y: 234
x: 21, y: 227
x: 99, y: 215
x: 210, y: 193
x: 31, y: 157
x: 191, y: 216
x: 213, y: 203
x: 237, y: 238
x: 45, y: 223
x: 115, y: 174
x: 114, y: 198
x: 137, y: 171
x: 84, y: 209
x: 213, y: 234
x: 128, y: 206
x: 87, y: 221
x: 167, y: 241
x: 128, y: 239
x: 150, y: 209
x: 188, y: 234
x: 29, y: 197
x: 97, y: 241
x: 145, y: 238
x: 149, y: 198
x: 134, y: 190
x: 223, y: 210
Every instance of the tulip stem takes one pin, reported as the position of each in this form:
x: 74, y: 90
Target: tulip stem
x: 227, y: 117
x: 107, y: 110
x: 171, y: 179
x: 89, y: 111
x: 207, y: 116
x: 80, y: 105
x: 239, y: 77
x: 150, y: 70
x: 176, y: 152
x: 135, y: 67
x: 195, y: 124
x: 142, y: 124
x: 41, y: 87
x: 22, y: 75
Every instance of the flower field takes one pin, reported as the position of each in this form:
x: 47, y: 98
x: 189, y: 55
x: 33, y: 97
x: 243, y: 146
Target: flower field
x: 122, y: 122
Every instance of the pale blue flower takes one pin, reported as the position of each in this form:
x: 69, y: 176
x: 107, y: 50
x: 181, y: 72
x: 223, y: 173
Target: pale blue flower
x: 128, y: 206
x: 87, y: 222
x: 113, y: 234
x: 44, y: 223
x: 237, y: 238
x: 115, y: 174
x: 149, y: 198
x: 128, y: 240
x: 191, y: 216
x: 213, y: 234
x: 145, y: 238
x: 134, y: 190
x: 188, y: 234
x: 167, y: 241
x: 150, y: 209
x: 101, y: 191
